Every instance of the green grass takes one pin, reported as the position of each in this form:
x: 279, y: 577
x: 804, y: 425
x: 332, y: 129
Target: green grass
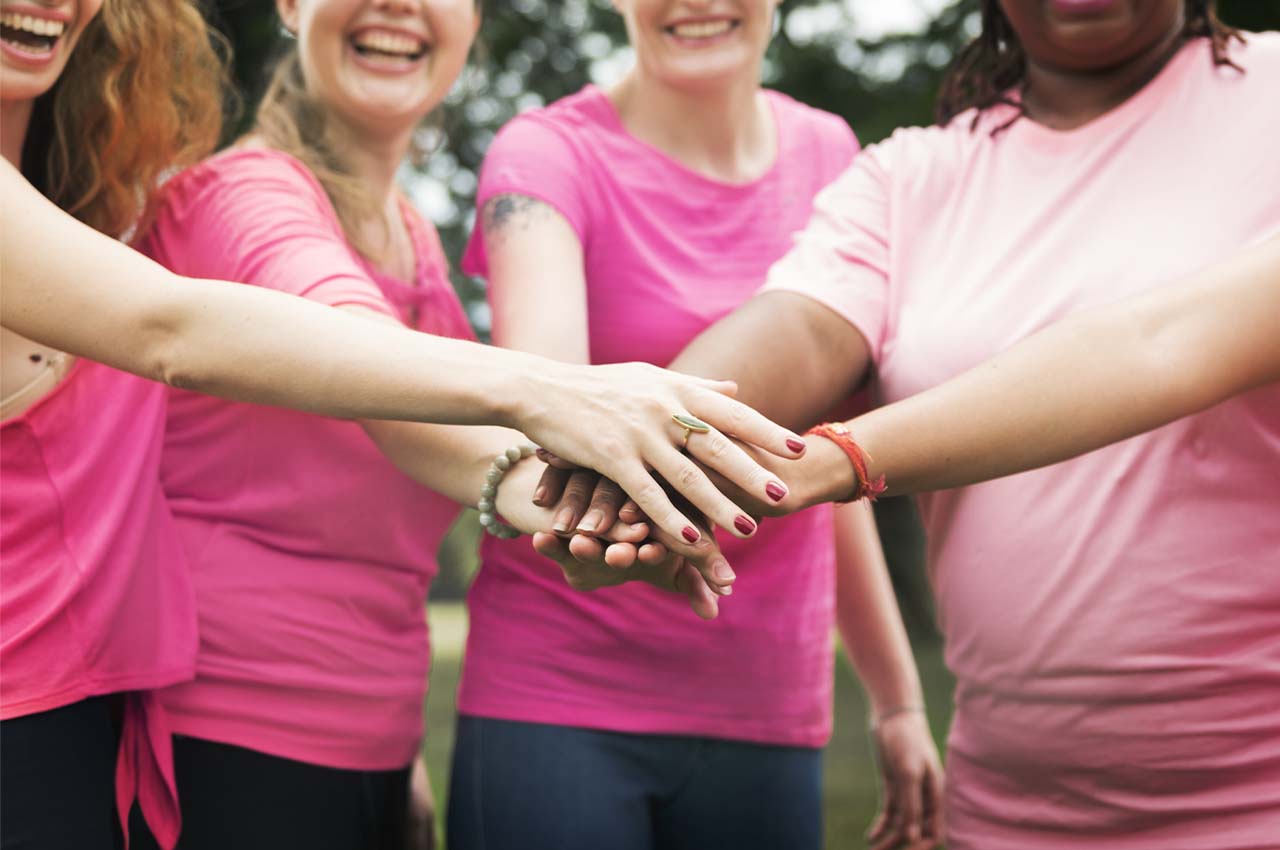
x: 850, y: 793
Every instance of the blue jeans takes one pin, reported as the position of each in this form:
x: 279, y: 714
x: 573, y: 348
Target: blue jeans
x: 533, y: 786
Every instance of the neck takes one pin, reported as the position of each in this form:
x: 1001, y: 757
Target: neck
x: 1065, y: 99
x: 15, y: 117
x: 375, y: 159
x: 726, y: 133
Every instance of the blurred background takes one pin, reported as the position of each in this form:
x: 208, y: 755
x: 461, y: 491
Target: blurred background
x: 877, y: 63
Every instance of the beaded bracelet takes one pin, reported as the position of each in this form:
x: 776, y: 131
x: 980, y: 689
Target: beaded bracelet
x: 489, y: 492
x: 864, y: 487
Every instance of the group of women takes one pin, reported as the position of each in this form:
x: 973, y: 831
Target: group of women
x: 213, y: 590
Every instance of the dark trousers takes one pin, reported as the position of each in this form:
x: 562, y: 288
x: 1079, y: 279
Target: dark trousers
x: 57, y: 779
x: 532, y: 786
x: 234, y: 798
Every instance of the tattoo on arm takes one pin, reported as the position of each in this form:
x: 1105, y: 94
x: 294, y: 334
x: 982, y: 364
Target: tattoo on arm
x: 505, y: 212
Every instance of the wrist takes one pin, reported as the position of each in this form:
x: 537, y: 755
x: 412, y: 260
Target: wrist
x: 825, y: 474
x: 904, y: 710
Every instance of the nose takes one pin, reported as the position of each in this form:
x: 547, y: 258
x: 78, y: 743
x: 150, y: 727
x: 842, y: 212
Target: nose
x: 397, y: 7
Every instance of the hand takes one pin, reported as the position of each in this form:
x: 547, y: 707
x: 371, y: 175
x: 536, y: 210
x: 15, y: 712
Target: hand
x: 588, y: 565
x: 421, y: 831
x: 617, y: 420
x: 911, y: 780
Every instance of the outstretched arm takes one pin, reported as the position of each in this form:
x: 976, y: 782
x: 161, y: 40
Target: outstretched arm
x: 71, y: 288
x: 1090, y: 380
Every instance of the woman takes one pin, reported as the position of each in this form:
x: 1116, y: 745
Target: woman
x: 1115, y: 663
x: 96, y: 599
x: 616, y: 225
x: 311, y: 554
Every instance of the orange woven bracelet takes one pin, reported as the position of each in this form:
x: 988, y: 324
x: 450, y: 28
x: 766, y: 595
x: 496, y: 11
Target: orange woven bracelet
x: 837, y: 433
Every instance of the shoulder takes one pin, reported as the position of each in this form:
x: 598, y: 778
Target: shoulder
x: 818, y: 124
x: 227, y: 181
x: 564, y: 126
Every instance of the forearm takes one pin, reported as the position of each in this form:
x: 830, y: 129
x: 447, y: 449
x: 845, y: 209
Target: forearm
x: 867, y: 615
x: 449, y: 459
x: 793, y: 359
x: 1088, y: 381
x: 236, y: 341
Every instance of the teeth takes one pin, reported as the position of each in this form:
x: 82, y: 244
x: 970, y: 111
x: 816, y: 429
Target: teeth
x: 35, y: 26
x: 385, y: 42
x: 705, y: 29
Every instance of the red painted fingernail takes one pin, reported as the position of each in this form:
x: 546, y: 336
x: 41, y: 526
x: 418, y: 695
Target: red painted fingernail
x: 795, y: 445
x: 776, y: 491
x: 744, y: 524
x: 690, y: 534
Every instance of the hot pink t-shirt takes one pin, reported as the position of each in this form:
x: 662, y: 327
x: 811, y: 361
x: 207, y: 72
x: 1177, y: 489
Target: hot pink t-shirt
x: 96, y: 597
x: 311, y: 553
x: 667, y: 252
x: 1113, y: 621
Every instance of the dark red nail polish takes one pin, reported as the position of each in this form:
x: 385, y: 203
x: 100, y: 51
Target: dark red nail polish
x: 744, y: 524
x: 775, y: 491
x: 795, y: 445
x: 690, y: 534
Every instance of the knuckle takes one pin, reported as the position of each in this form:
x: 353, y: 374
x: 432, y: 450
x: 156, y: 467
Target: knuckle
x: 688, y: 475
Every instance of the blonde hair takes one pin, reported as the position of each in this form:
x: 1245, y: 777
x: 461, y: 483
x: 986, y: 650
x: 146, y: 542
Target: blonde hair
x: 141, y: 95
x: 291, y: 120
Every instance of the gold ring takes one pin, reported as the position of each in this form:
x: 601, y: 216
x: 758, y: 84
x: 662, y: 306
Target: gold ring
x: 691, y: 425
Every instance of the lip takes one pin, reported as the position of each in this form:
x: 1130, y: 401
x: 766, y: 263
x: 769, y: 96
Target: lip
x: 35, y: 61
x: 404, y: 64
x: 668, y: 29
x: 1081, y: 7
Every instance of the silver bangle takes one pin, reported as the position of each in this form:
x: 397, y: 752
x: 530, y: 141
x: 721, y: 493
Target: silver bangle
x: 489, y: 492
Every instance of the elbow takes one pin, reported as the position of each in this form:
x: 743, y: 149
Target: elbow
x: 167, y: 353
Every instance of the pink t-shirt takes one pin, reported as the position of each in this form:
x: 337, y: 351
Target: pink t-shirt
x: 667, y: 252
x: 311, y: 554
x: 1113, y: 621
x: 96, y: 593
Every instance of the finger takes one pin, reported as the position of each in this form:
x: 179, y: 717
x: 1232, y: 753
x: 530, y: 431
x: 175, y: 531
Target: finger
x: 738, y: 420
x: 552, y: 459
x: 550, y: 486
x: 692, y: 482
x: 935, y: 823
x: 630, y: 512
x: 912, y: 810
x: 652, y: 553
x: 622, y: 532
x: 602, y: 512
x: 886, y: 836
x: 549, y: 545
x: 707, y: 560
x: 668, y: 524
x: 701, y: 599
x: 587, y: 551
x: 573, y: 504
x: 726, y: 457
x: 621, y: 556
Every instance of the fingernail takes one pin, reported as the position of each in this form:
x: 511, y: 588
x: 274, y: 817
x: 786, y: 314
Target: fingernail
x: 690, y: 534
x: 796, y: 445
x: 744, y: 524
x: 562, y: 520
x: 591, y: 521
x: 776, y: 491
x: 541, y: 493
x: 722, y: 571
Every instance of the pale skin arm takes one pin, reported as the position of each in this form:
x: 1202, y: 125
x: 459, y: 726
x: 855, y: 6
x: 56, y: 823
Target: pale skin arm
x: 871, y: 629
x: 70, y: 288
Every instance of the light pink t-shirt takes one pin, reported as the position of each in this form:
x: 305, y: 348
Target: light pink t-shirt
x: 311, y: 553
x: 667, y: 253
x: 1113, y: 621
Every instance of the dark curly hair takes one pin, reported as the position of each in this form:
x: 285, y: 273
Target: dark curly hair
x: 993, y: 64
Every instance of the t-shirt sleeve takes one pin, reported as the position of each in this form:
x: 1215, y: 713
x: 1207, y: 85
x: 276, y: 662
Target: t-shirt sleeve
x: 535, y: 157
x: 841, y: 258
x: 260, y: 218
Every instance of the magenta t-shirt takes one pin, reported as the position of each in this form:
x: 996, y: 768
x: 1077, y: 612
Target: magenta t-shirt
x: 311, y: 554
x: 667, y: 252
x: 1113, y: 621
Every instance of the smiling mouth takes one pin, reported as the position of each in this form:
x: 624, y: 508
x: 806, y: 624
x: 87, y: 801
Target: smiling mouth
x: 379, y: 44
x: 29, y: 34
x: 701, y: 29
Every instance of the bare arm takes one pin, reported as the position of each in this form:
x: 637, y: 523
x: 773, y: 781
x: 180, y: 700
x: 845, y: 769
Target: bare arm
x: 792, y: 358
x: 1090, y: 380
x: 73, y: 289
